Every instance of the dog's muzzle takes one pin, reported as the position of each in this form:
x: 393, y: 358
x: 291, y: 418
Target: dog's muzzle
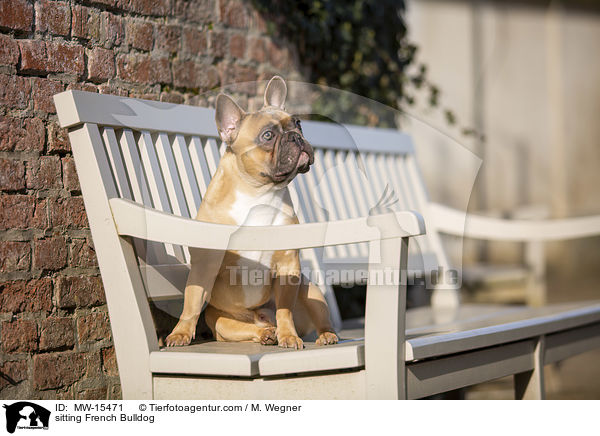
x: 295, y: 155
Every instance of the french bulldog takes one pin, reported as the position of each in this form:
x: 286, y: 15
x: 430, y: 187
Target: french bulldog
x: 265, y: 151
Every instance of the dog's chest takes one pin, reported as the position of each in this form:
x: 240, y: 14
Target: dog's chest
x: 271, y: 208
x: 268, y: 209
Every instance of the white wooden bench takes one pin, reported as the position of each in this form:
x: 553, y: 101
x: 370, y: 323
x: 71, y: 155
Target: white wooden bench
x: 143, y: 168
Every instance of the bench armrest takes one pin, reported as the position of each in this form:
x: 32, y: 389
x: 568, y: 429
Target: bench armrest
x: 134, y: 219
x: 455, y: 222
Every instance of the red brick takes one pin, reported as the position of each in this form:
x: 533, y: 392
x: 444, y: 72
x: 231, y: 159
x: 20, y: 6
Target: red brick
x: 237, y: 46
x: 19, y: 336
x: 82, y: 86
x: 50, y: 253
x: 194, y: 41
x: 93, y: 363
x: 53, y: 17
x: 93, y: 327
x: 22, y: 212
x: 68, y: 212
x: 18, y: 134
x: 143, y: 69
x: 44, y: 173
x: 70, y: 179
x: 26, y: 296
x: 172, y: 97
x: 189, y: 74
x: 279, y: 56
x: 79, y: 292
x: 33, y: 55
x: 258, y: 22
x: 112, y: 31
x: 199, y: 11
x: 51, y: 57
x: 13, y: 373
x: 16, y: 211
x: 168, y: 38
x: 66, y: 58
x: 57, y: 333
x: 144, y: 95
x: 14, y: 256
x: 186, y: 74
x: 43, y: 91
x: 234, y: 73
x: 15, y: 91
x: 40, y: 214
x: 9, y: 50
x: 218, y: 44
x: 233, y: 13
x: 101, y: 65
x: 82, y: 254
x: 109, y: 361
x: 106, y: 2
x: 85, y: 23
x: 58, y: 139
x: 257, y: 50
x: 55, y: 370
x: 139, y: 34
x: 93, y: 394
x: 12, y: 175
x: 146, y: 7
x: 106, y: 88
x: 16, y: 14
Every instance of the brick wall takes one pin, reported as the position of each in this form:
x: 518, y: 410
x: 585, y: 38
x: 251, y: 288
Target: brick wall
x: 54, y: 329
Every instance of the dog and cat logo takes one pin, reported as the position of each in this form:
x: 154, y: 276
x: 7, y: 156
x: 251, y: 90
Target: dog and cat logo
x: 26, y: 415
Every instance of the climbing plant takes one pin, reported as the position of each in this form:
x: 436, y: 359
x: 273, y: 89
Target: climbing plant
x: 359, y: 46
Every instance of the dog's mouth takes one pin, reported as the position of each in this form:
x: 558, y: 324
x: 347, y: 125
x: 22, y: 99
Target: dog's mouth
x: 301, y: 167
x: 294, y: 155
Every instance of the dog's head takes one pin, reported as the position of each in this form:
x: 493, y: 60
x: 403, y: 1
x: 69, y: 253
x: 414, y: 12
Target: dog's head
x: 268, y: 144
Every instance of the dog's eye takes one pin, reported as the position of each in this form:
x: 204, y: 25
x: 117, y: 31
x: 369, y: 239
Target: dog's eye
x: 267, y: 136
x: 298, y: 126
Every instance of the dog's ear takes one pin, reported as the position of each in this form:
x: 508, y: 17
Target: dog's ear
x: 228, y: 117
x: 276, y: 92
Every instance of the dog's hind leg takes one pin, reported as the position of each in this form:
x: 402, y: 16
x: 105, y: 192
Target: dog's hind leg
x: 242, y: 327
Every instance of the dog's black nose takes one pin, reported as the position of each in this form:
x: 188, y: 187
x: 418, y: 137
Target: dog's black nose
x: 295, y: 138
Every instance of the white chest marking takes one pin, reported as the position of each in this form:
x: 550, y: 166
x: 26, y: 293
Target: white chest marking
x: 270, y: 208
x: 262, y: 210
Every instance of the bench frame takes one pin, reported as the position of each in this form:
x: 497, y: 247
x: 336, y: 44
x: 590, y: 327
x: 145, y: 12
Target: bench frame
x: 114, y: 221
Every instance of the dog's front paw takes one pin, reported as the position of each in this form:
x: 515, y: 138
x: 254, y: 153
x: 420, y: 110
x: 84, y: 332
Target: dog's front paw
x: 290, y: 341
x: 268, y: 336
x: 182, y: 334
x: 178, y: 339
x: 327, y: 338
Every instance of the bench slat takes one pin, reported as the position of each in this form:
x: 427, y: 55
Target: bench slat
x: 200, y: 164
x: 211, y: 151
x: 175, y: 193
x: 189, y: 182
x: 116, y: 161
x: 158, y: 189
x: 166, y: 158
x: 137, y: 177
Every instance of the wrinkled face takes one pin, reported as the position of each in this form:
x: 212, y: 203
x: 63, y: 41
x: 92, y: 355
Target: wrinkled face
x: 270, y: 146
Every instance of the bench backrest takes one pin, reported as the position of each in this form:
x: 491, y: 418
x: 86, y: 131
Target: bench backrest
x: 164, y: 155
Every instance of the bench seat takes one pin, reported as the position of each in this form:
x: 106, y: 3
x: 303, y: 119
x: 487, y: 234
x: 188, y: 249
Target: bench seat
x: 474, y: 327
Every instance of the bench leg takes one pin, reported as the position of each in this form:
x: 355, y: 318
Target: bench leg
x: 530, y: 385
x: 536, y: 286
